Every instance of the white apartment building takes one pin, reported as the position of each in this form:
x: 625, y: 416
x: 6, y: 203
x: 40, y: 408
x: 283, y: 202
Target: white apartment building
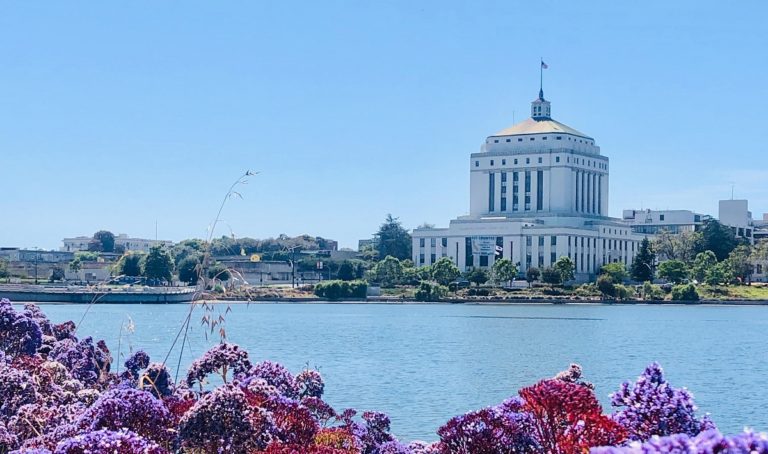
x: 538, y: 191
x: 80, y: 243
x: 653, y: 222
x: 736, y: 215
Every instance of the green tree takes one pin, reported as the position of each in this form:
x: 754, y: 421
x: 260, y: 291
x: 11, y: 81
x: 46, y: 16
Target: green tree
x: 717, y: 238
x: 719, y: 273
x: 76, y: 265
x: 675, y: 271
x: 504, y: 270
x: 566, y: 268
x: 681, y: 246
x: 389, y: 271
x: 444, y: 271
x: 478, y: 276
x: 740, y: 261
x: 57, y: 274
x: 685, y: 293
x: 616, y: 271
x: 4, y: 274
x: 703, y: 262
x: 87, y: 256
x: 219, y: 271
x: 187, y: 248
x: 106, y: 240
x: 642, y: 265
x: 606, y: 285
x: 346, y: 271
x: 158, y: 264
x: 551, y: 276
x: 393, y: 240
x: 189, y: 269
x: 532, y: 274
x: 130, y: 264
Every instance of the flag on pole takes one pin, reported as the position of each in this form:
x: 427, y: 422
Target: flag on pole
x: 544, y: 65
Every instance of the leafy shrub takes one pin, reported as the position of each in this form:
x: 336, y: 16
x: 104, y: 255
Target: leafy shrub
x: 430, y: 291
x: 587, y: 290
x: 336, y: 289
x: 685, y: 293
x: 478, y: 292
x: 623, y: 292
x: 605, y: 285
x: 652, y: 292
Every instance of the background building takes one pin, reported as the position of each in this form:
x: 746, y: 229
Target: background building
x: 652, y: 222
x: 736, y: 215
x: 538, y: 191
x: 80, y: 243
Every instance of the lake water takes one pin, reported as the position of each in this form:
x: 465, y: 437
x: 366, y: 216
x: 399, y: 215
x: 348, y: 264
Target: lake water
x: 423, y: 364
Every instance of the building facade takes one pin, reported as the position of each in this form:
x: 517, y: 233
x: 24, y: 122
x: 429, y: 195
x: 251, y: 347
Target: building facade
x: 80, y: 243
x: 538, y: 191
x: 653, y: 222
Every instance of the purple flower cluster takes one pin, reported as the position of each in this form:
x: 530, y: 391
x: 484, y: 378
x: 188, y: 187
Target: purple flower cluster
x: 128, y: 408
x: 136, y: 362
x: 223, y: 421
x: 220, y: 359
x: 19, y: 333
x: 107, y: 441
x: 707, y: 442
x: 650, y: 406
x: 157, y: 380
x: 275, y: 375
x: 309, y: 383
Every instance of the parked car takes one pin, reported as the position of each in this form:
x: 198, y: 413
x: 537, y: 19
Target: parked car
x: 458, y: 284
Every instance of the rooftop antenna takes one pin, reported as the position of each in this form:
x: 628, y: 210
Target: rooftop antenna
x: 732, y: 185
x: 155, y: 229
x: 513, y: 116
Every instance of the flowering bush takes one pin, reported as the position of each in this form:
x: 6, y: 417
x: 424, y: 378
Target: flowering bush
x: 59, y: 395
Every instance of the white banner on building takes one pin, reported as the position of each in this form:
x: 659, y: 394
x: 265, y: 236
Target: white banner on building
x: 483, y: 245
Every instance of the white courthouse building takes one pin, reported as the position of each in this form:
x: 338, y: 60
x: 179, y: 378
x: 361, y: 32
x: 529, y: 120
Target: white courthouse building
x: 538, y: 191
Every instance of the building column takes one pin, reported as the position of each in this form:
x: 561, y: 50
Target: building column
x: 576, y: 190
x: 534, y: 193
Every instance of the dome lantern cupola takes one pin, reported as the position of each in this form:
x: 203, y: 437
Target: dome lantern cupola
x: 540, y: 108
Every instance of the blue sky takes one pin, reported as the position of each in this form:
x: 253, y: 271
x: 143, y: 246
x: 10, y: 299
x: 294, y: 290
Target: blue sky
x: 116, y: 115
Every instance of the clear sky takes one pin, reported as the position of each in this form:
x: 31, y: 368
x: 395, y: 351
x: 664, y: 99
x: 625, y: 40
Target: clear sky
x: 115, y: 115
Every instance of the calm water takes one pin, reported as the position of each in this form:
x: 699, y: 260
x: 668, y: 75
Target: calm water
x: 422, y: 364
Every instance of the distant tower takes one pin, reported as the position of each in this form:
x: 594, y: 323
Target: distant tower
x: 540, y: 108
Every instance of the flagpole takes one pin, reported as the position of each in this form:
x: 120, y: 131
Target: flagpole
x: 541, y: 74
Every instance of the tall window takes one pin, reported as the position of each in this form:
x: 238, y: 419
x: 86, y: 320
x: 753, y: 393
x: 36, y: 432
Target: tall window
x: 527, y: 190
x: 491, y: 191
x: 540, y: 190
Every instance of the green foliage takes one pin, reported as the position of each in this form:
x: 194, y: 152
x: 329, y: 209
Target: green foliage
x: 105, y: 241
x: 681, y: 246
x: 346, y: 271
x: 4, y: 269
x: 566, y: 268
x: 652, y: 292
x: 337, y: 289
x: 719, y: 273
x: 606, y: 285
x: 703, y: 262
x: 57, y: 274
x: 616, y: 271
x: 187, y: 248
x: 504, y: 270
x: 532, y: 274
x: 550, y: 276
x: 674, y: 271
x: 478, y: 276
x: 158, y: 264
x: 685, y: 293
x: 622, y: 292
x: 740, y: 261
x: 430, y: 291
x: 444, y: 271
x: 393, y: 240
x: 130, y: 264
x: 587, y: 290
x: 247, y: 246
x: 189, y: 269
x: 642, y: 265
x: 76, y: 265
x: 389, y: 271
x: 219, y: 271
x: 86, y: 256
x: 717, y: 238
